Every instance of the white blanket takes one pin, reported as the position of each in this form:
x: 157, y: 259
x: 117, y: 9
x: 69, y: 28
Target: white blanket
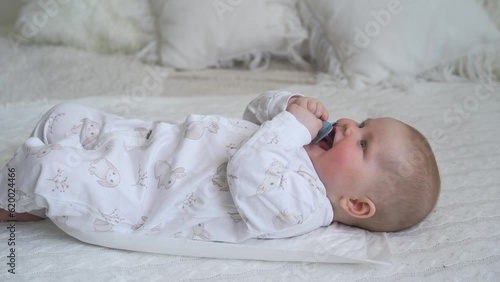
x: 460, y: 240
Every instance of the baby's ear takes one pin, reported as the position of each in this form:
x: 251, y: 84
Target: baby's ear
x: 359, y: 208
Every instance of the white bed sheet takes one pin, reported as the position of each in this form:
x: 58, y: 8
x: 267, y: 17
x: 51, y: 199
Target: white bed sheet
x: 460, y: 240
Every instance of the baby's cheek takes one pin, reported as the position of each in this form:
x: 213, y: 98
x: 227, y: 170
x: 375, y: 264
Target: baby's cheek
x: 347, y: 162
x: 342, y: 155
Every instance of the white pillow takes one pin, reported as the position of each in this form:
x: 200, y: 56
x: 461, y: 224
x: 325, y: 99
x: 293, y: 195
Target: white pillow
x: 492, y: 7
x: 368, y: 42
x: 102, y: 26
x: 196, y: 34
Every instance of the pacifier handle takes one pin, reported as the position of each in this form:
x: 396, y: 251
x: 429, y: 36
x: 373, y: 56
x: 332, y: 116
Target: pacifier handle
x: 326, y: 128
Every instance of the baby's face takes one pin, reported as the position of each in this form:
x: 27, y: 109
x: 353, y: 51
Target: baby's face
x: 350, y: 165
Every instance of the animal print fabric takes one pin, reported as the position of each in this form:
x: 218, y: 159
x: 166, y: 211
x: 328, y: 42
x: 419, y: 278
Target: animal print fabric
x: 208, y: 178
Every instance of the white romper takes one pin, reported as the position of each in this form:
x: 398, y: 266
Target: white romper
x: 208, y: 178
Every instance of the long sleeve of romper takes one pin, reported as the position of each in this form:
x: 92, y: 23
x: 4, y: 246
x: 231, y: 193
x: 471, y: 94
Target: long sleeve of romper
x: 271, y: 179
x: 267, y: 105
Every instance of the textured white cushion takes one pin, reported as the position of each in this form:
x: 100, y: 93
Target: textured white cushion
x: 195, y: 34
x: 367, y: 42
x: 102, y: 26
x: 492, y: 7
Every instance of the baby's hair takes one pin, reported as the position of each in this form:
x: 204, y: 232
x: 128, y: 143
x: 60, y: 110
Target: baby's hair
x: 407, y: 189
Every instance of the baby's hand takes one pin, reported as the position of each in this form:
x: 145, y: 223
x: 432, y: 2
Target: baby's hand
x: 308, y: 119
x: 312, y: 105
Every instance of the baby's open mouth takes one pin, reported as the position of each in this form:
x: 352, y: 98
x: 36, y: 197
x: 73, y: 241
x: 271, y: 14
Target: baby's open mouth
x: 326, y: 135
x: 329, y: 139
x: 327, y: 142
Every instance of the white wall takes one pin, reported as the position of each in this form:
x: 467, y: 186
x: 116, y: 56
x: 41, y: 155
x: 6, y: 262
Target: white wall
x: 9, y: 9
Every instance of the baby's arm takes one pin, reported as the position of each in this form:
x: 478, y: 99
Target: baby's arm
x: 267, y: 105
x: 276, y: 195
x: 309, y: 112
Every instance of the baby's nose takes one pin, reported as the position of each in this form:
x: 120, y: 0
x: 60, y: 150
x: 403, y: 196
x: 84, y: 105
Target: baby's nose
x: 346, y: 127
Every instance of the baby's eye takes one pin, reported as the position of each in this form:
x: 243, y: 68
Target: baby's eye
x: 363, y: 144
x: 361, y: 125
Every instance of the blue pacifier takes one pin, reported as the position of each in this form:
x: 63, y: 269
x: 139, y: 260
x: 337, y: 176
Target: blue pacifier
x: 326, y: 128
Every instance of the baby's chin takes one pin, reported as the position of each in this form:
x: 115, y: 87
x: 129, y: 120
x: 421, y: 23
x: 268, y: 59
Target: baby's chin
x: 315, y: 149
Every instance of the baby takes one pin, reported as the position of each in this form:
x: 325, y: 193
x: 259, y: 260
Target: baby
x: 220, y: 179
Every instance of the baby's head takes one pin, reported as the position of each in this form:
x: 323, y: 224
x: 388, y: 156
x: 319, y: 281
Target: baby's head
x: 380, y: 175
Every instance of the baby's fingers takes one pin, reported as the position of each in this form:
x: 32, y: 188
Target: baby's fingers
x: 312, y: 105
x: 318, y: 109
